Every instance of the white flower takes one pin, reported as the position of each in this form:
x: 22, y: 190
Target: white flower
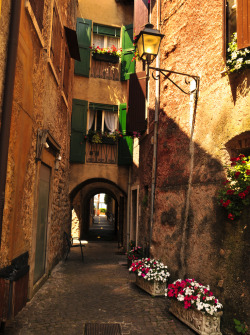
x: 234, y: 55
x: 247, y: 62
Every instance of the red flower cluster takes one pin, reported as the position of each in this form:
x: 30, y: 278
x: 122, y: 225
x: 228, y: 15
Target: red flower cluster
x: 193, y: 295
x: 234, y: 195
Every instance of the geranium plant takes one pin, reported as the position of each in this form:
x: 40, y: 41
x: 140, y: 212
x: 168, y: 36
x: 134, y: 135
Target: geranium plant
x: 234, y: 195
x: 194, y: 295
x: 101, y: 137
x: 237, y: 59
x: 135, y: 253
x: 150, y: 269
x: 110, y: 50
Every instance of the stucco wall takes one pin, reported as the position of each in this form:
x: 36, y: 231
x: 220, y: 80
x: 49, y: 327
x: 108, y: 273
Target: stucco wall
x: 4, y: 34
x: 191, y: 233
x: 38, y: 104
x: 107, y: 12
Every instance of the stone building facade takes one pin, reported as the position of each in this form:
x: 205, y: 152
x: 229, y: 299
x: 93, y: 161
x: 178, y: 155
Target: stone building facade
x: 36, y: 206
x: 99, y: 107
x: 178, y: 211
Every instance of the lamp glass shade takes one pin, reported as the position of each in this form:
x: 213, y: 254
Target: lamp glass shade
x: 151, y: 44
x: 148, y: 46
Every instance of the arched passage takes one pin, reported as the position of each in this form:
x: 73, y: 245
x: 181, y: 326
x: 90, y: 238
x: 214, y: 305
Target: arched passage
x: 81, y: 197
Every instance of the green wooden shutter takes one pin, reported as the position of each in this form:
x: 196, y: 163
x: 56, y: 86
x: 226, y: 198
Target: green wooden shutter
x: 125, y: 145
x: 128, y: 50
x: 78, y: 130
x: 83, y: 31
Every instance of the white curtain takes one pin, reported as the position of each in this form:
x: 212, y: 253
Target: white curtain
x: 91, y: 118
x: 110, y: 119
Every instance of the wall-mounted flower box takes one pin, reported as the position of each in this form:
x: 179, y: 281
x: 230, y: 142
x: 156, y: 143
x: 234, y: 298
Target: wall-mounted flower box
x: 200, y: 322
x: 106, y: 58
x: 155, y: 288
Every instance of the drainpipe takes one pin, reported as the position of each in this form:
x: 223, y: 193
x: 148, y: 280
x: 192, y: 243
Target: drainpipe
x: 8, y: 99
x: 128, y: 208
x: 156, y: 120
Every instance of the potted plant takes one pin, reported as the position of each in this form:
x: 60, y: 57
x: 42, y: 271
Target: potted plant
x: 98, y: 137
x: 134, y: 254
x: 195, y: 305
x: 237, y: 59
x: 151, y: 275
x: 111, y: 54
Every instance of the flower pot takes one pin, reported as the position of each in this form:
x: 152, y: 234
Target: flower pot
x: 105, y: 58
x: 155, y: 288
x: 200, y: 322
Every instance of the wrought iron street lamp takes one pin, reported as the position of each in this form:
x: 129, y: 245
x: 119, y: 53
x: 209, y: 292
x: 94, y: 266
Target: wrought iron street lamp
x: 148, y: 44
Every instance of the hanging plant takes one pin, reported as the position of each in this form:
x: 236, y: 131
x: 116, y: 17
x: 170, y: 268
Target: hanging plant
x: 237, y: 59
x: 234, y: 196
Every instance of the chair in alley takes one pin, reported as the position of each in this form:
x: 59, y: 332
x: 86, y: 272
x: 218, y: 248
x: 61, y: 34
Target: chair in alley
x: 71, y: 242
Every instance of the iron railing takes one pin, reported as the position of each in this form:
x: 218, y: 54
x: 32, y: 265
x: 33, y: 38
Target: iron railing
x: 105, y: 70
x: 101, y: 153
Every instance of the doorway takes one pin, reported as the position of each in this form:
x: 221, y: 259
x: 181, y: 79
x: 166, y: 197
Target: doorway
x: 42, y: 222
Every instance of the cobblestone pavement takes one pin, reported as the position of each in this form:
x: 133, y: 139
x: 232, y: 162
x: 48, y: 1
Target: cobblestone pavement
x: 100, y: 290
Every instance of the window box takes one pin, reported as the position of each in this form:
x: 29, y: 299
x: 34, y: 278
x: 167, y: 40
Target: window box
x: 105, y: 58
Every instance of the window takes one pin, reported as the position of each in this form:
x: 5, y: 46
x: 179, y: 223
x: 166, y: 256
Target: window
x: 231, y: 19
x: 102, y: 118
x: 105, y: 37
x: 237, y: 20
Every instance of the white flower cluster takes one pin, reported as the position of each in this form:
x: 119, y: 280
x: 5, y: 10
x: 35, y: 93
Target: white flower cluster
x: 237, y: 59
x: 150, y: 269
x: 193, y: 294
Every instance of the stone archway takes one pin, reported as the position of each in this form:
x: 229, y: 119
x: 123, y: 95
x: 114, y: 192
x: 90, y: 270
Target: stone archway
x: 81, y: 197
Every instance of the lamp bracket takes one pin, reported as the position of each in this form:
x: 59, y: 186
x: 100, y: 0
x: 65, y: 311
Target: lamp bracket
x: 166, y: 74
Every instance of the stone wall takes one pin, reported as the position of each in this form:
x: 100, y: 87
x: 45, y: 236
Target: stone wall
x: 191, y: 233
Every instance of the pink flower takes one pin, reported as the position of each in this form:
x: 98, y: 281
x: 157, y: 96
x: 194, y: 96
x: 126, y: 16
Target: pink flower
x: 231, y: 216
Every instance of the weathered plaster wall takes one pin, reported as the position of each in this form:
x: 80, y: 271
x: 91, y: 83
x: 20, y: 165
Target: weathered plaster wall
x: 80, y: 173
x: 4, y: 34
x: 38, y: 104
x: 100, y: 91
x: 107, y: 12
x: 191, y: 232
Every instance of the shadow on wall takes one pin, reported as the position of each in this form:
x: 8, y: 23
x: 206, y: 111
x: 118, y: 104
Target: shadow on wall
x: 239, y: 84
x: 191, y: 231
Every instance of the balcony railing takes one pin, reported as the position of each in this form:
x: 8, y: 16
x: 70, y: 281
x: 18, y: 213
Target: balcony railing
x: 105, y: 70
x: 101, y: 153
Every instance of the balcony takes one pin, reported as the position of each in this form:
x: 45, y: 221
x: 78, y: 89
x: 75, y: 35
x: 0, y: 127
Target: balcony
x: 105, y: 70
x: 101, y: 153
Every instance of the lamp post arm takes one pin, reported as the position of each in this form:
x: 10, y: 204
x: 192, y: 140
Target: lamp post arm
x: 163, y: 72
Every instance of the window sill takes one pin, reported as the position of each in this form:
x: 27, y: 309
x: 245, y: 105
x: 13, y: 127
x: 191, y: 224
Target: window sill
x: 34, y: 22
x: 51, y: 66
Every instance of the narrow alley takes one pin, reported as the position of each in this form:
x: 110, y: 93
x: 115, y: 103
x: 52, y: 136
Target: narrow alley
x: 100, y: 290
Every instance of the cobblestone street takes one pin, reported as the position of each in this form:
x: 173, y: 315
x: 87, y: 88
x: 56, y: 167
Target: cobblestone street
x: 100, y: 290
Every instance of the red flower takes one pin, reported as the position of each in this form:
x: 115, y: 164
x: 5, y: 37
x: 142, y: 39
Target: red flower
x: 241, y: 156
x: 247, y: 172
x: 237, y: 174
x: 230, y: 191
x: 231, y: 216
x: 242, y: 195
x: 225, y: 182
x: 226, y: 203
